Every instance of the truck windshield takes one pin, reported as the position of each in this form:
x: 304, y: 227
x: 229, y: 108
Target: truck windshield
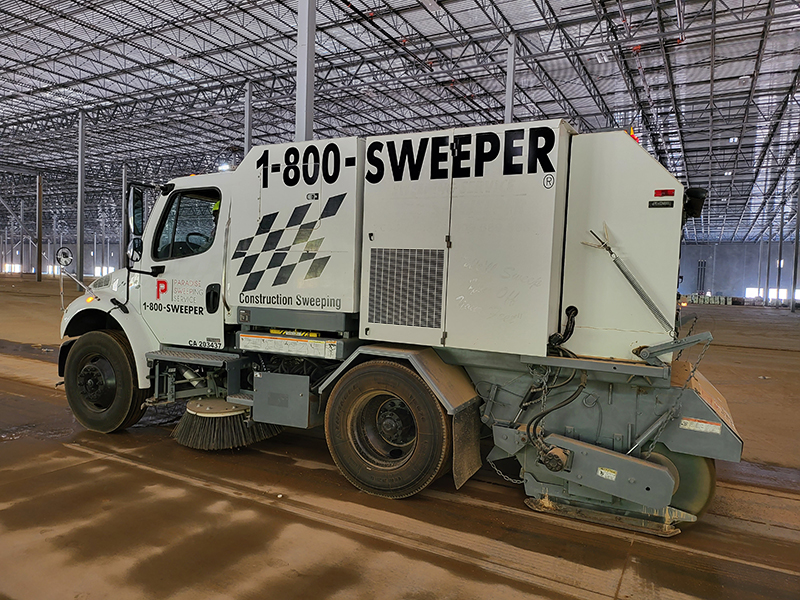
x: 189, y: 224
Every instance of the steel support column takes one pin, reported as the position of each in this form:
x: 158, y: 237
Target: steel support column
x: 81, y: 190
x: 780, y: 255
x: 123, y: 232
x: 39, y: 248
x: 248, y: 116
x: 511, y: 66
x: 760, y: 265
x: 792, y: 292
x: 769, y: 264
x: 304, y: 105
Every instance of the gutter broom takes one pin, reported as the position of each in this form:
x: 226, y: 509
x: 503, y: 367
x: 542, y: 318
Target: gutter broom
x: 214, y: 424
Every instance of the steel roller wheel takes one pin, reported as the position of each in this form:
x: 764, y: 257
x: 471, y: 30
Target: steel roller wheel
x: 386, y: 431
x: 695, y: 482
x: 100, y: 382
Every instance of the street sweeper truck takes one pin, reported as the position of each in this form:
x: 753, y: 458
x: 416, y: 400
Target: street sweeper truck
x: 415, y: 294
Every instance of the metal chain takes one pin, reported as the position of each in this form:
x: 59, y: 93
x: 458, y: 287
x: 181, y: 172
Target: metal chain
x: 675, y: 409
x: 691, y: 329
x: 504, y: 476
x: 545, y: 389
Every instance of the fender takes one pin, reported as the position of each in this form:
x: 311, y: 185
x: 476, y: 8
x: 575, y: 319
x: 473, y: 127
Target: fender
x: 81, y: 317
x: 704, y: 426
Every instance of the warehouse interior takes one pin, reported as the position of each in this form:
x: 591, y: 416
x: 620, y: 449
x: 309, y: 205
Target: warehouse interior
x: 96, y: 97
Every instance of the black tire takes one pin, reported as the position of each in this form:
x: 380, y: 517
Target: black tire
x: 697, y: 479
x: 100, y: 381
x: 386, y: 431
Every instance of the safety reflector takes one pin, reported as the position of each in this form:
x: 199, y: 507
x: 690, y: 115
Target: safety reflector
x: 661, y: 193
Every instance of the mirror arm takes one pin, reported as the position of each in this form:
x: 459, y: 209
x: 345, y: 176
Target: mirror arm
x: 75, y: 279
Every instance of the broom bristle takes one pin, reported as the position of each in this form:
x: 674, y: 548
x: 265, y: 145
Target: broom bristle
x: 214, y: 432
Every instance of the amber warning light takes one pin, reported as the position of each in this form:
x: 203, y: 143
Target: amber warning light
x: 663, y: 193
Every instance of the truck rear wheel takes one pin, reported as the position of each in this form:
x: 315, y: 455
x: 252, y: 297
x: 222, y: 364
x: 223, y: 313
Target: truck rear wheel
x: 99, y: 378
x: 386, y: 431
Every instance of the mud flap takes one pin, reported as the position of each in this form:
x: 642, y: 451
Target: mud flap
x: 63, y: 350
x: 466, y: 444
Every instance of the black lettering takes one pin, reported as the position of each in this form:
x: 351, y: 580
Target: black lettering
x: 200, y: 308
x: 511, y: 151
x: 376, y: 161
x: 461, y: 155
x: 331, y: 163
x: 484, y: 153
x: 310, y: 165
x: 538, y: 154
x: 291, y: 173
x: 439, y: 151
x: 398, y: 164
x: 263, y: 163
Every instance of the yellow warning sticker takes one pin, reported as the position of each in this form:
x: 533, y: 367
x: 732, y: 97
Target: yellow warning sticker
x: 607, y: 473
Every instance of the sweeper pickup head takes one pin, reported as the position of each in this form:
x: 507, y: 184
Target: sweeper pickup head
x: 214, y: 424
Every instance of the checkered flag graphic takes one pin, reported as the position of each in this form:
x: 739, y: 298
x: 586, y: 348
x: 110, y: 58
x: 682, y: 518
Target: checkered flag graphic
x: 268, y: 249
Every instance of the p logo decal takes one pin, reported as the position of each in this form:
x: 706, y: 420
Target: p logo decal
x: 161, y: 288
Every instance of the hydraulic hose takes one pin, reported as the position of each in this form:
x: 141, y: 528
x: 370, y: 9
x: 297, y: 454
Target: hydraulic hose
x: 534, y: 422
x: 559, y: 338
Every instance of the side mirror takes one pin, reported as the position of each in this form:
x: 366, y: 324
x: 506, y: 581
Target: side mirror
x: 135, y: 249
x: 136, y: 210
x: 64, y: 256
x: 693, y: 201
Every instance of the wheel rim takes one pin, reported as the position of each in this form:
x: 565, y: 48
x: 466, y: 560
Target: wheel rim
x: 696, y: 479
x: 662, y: 460
x: 383, y: 430
x: 97, y: 383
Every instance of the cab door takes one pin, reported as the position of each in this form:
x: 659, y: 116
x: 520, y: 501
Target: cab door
x: 182, y: 305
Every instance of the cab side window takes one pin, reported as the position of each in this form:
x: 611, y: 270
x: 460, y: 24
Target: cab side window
x: 189, y: 224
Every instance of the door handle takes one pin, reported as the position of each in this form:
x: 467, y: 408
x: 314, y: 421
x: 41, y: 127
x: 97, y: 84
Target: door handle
x: 212, y: 297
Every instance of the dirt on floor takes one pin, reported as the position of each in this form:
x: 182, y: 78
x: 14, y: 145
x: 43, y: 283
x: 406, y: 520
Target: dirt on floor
x: 135, y: 515
x: 754, y: 359
x: 30, y: 311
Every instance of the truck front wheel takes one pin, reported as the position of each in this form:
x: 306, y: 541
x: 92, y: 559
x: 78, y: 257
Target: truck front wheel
x: 386, y: 431
x: 100, y: 382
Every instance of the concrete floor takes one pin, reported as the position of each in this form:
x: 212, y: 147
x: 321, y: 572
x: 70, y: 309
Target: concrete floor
x: 134, y: 515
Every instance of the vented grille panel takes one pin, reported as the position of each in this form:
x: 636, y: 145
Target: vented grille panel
x: 405, y: 287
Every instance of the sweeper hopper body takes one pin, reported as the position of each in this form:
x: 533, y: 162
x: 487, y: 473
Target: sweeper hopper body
x: 412, y: 292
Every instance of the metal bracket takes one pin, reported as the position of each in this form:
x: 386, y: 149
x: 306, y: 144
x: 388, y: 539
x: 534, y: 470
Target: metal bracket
x: 651, y: 353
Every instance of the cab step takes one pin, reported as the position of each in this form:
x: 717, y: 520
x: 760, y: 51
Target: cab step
x: 198, y: 357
